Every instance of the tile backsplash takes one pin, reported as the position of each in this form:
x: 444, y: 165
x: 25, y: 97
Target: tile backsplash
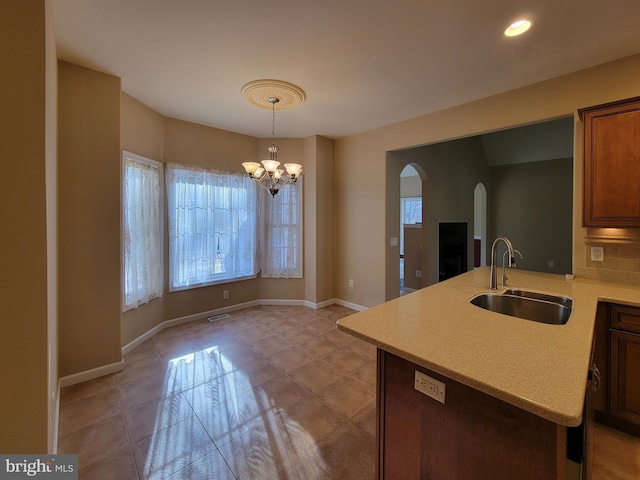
x: 621, y: 255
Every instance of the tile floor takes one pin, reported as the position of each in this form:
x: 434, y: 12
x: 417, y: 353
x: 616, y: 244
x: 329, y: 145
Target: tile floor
x: 271, y: 392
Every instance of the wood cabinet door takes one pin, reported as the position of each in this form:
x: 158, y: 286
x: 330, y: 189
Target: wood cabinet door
x: 612, y: 165
x: 624, y: 393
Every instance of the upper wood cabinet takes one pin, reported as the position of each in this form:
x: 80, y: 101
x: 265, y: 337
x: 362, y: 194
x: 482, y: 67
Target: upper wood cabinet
x: 612, y: 164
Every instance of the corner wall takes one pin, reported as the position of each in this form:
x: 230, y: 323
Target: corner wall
x: 88, y: 219
x: 319, y: 219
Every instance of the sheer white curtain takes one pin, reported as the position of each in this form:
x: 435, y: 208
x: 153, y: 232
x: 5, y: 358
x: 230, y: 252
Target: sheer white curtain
x: 281, y: 240
x: 142, y: 230
x: 212, y: 226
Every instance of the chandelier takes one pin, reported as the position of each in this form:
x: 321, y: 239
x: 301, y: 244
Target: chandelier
x: 268, y: 173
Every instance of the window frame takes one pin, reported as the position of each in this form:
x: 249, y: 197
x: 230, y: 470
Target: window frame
x: 208, y: 171
x: 161, y: 216
x: 290, y: 273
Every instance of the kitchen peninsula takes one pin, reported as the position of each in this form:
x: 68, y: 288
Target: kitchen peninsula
x: 512, y: 387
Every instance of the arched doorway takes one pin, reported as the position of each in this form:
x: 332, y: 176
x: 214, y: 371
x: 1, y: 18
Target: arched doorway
x: 410, y: 230
x: 479, y: 225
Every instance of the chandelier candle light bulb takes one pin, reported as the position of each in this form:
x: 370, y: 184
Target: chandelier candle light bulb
x: 251, y: 168
x: 270, y: 166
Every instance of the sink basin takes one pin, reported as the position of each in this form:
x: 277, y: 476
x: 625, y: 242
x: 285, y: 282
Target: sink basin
x: 538, y: 307
x: 541, y: 296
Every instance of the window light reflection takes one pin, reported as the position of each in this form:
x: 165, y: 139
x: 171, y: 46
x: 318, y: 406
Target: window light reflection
x: 248, y: 419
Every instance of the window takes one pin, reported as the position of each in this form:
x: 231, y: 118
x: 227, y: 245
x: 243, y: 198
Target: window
x: 142, y: 230
x: 282, y: 239
x: 411, y: 210
x: 212, y: 226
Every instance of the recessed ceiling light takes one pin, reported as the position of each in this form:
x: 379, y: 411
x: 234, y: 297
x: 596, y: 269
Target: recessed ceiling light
x: 518, y: 28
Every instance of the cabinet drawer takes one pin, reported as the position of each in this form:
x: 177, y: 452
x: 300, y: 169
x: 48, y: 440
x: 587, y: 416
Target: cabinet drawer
x: 625, y: 318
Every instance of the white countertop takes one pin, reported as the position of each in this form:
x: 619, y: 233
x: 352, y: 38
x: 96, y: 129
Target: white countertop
x: 538, y: 367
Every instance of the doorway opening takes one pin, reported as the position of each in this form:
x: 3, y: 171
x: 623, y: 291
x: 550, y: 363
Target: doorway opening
x: 452, y: 253
x: 479, y: 226
x: 410, y: 230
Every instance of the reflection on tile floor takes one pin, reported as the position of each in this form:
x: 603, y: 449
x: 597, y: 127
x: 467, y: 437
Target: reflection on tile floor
x: 270, y: 393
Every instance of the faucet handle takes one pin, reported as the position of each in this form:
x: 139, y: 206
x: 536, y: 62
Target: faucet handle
x: 512, y: 258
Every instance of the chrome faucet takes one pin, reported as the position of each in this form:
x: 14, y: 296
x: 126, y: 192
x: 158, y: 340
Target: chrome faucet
x: 493, y: 277
x: 504, y: 264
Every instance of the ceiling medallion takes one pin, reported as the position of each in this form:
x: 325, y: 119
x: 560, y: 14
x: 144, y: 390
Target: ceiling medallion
x: 259, y: 92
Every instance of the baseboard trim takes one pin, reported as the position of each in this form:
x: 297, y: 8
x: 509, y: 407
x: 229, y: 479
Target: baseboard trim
x: 352, y: 306
x: 186, y: 319
x: 320, y: 305
x: 240, y: 306
x: 56, y: 420
x: 119, y: 366
x: 90, y: 374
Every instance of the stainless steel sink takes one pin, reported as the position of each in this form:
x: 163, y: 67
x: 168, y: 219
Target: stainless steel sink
x: 538, y: 307
x: 541, y: 296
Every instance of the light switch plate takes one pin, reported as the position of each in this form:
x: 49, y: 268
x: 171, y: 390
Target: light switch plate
x: 597, y: 254
x: 430, y: 386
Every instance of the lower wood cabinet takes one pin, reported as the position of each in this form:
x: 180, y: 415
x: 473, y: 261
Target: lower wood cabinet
x: 617, y: 402
x: 624, y: 389
x: 471, y: 436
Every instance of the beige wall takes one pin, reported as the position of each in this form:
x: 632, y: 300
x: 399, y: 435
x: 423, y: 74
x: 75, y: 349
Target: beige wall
x: 325, y: 220
x: 28, y: 155
x: 360, y: 219
x: 360, y: 189
x: 88, y: 219
x: 319, y: 219
x: 142, y: 129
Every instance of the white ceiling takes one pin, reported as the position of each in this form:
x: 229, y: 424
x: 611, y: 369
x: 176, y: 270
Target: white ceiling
x: 362, y: 63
